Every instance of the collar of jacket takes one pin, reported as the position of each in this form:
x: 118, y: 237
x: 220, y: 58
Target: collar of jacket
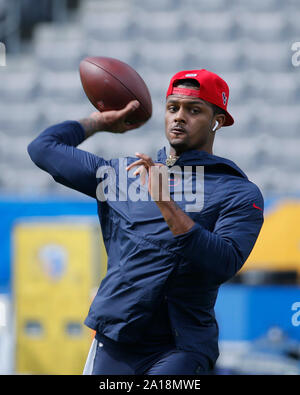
x: 202, y: 158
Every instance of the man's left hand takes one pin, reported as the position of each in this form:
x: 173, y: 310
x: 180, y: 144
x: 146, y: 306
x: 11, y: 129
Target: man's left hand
x: 157, y: 176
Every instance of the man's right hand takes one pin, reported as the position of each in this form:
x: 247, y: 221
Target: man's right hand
x: 110, y: 121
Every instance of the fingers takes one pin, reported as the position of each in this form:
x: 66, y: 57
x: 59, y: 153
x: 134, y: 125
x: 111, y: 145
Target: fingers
x: 145, y: 160
x: 139, y: 170
x: 144, y: 164
x: 158, y: 189
x: 136, y: 163
x: 129, y: 108
x: 114, y: 121
x: 142, y: 171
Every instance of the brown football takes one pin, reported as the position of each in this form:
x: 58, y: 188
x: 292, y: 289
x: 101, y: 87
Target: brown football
x: 111, y: 84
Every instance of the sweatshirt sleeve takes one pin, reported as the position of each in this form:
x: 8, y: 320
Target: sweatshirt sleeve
x: 218, y: 255
x: 54, y: 151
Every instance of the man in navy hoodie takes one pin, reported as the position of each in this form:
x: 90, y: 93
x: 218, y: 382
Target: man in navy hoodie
x: 154, y: 311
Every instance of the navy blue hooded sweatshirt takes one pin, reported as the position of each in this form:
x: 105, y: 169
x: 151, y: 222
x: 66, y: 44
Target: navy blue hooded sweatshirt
x: 159, y: 286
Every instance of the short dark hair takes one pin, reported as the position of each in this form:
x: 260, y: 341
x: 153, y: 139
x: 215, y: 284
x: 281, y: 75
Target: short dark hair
x: 192, y: 83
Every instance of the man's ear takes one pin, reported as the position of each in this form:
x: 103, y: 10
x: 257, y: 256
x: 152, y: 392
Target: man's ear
x: 220, y: 118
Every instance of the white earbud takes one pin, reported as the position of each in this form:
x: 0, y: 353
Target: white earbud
x: 215, y: 127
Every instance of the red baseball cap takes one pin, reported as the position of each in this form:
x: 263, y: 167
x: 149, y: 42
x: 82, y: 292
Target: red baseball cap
x: 213, y: 89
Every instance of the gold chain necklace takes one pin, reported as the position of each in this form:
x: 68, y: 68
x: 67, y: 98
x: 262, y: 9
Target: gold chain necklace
x: 171, y: 159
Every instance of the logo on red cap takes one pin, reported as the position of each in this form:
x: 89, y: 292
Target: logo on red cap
x: 224, y: 98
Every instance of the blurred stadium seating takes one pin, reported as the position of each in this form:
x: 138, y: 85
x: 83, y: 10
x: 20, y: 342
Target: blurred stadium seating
x: 250, y: 49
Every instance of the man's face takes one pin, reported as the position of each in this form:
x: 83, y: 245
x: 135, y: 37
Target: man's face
x: 188, y: 123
